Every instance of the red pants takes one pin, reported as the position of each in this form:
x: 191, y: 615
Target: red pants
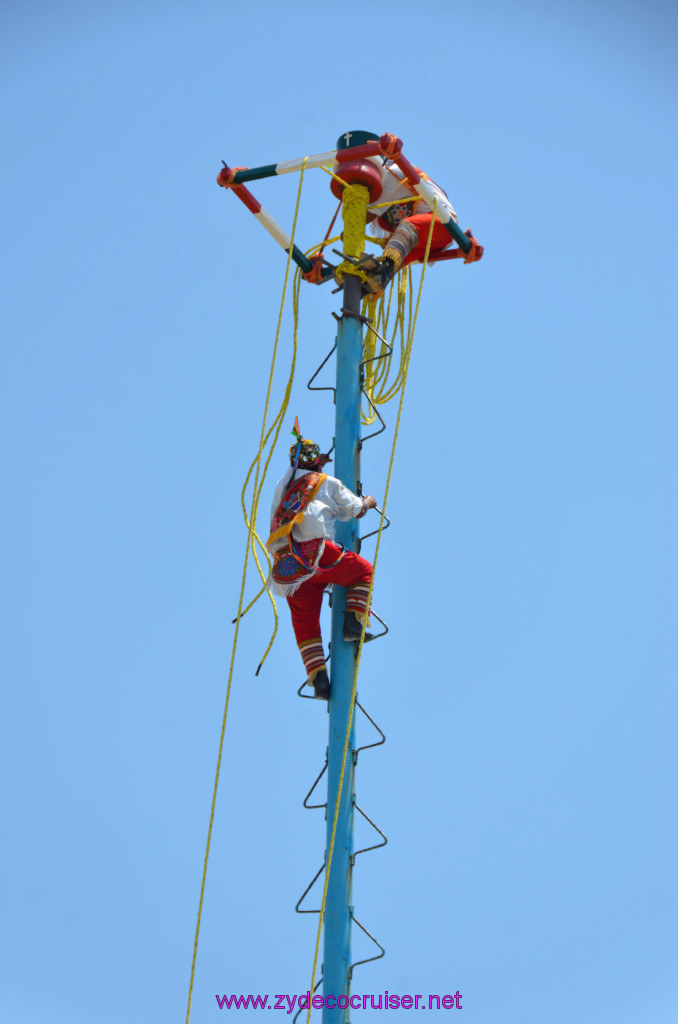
x: 440, y: 239
x: 352, y: 572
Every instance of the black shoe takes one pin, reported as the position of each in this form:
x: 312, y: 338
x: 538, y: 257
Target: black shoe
x: 353, y: 628
x: 321, y: 684
x: 385, y: 271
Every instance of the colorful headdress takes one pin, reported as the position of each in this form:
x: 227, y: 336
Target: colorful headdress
x: 303, y: 452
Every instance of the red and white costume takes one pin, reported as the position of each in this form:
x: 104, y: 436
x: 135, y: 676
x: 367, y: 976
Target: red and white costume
x: 417, y: 216
x: 320, y: 560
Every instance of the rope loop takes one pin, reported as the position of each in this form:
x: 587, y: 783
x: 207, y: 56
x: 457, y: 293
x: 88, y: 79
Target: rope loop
x: 315, y: 274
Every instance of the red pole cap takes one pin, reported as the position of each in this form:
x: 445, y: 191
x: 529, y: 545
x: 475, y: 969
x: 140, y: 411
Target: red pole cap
x: 358, y: 172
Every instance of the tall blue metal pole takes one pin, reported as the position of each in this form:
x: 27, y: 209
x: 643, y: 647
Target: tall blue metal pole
x: 338, y: 909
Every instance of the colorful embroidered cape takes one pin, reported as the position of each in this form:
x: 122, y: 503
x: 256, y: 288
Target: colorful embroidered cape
x: 297, y: 562
x: 294, y: 565
x: 291, y: 508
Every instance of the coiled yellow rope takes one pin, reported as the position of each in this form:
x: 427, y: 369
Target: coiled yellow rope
x: 354, y: 212
x: 377, y: 371
x: 250, y: 544
x: 406, y: 368
x: 275, y: 431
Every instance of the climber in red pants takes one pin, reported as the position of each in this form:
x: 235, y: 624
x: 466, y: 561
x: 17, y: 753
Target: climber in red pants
x: 306, y: 504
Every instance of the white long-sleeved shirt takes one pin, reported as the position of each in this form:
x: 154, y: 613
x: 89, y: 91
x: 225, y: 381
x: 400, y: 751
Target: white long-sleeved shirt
x: 333, y: 501
x: 395, y: 186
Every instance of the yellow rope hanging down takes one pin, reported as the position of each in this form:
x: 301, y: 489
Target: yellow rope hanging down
x: 335, y: 818
x: 377, y: 370
x: 275, y: 431
x: 250, y: 535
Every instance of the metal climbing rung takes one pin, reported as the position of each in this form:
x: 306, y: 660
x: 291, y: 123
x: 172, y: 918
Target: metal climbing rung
x: 311, y: 807
x: 305, y: 696
x: 368, y: 959
x: 333, y: 390
x: 377, y: 636
x: 377, y: 414
x: 366, y: 321
x: 306, y: 892
x: 368, y: 746
x: 382, y: 355
x: 366, y: 849
x: 373, y: 533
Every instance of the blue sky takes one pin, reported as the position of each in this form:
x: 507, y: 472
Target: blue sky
x: 527, y: 686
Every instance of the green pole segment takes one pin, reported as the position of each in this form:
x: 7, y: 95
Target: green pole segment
x: 301, y: 260
x: 283, y: 167
x: 462, y: 240
x: 254, y: 173
x: 306, y: 265
x: 338, y: 909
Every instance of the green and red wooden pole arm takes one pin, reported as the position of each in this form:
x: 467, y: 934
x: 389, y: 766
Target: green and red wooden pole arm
x: 312, y: 269
x: 243, y: 174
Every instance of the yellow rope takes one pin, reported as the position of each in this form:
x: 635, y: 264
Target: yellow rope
x: 252, y: 518
x: 252, y: 602
x: 377, y: 372
x: 354, y: 209
x: 335, y: 819
x: 354, y: 212
x: 274, y: 429
x: 328, y: 170
x: 393, y: 202
x: 276, y: 425
x: 377, y: 385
